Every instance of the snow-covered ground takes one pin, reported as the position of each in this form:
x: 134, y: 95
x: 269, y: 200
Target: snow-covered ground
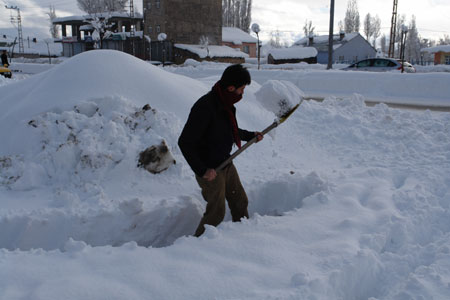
x: 346, y: 201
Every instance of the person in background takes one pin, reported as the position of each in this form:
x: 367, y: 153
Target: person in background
x: 5, y: 62
x: 207, y: 140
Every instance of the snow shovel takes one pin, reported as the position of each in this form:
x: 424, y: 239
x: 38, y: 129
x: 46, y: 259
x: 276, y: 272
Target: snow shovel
x: 277, y: 122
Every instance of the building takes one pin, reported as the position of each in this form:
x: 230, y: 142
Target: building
x: 292, y: 55
x: 347, y: 47
x: 239, y: 39
x: 78, y: 34
x: 184, y: 21
x: 441, y: 54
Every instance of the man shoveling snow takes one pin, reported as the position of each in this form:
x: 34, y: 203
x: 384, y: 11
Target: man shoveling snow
x: 208, y: 136
x: 206, y: 141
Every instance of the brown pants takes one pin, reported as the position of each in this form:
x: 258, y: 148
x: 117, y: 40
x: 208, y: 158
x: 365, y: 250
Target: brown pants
x: 226, y: 185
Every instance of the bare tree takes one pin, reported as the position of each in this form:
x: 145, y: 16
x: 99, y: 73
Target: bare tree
x: 376, y: 29
x: 204, y: 42
x: 237, y: 13
x: 351, y: 20
x: 412, y: 46
x: 308, y: 29
x: 246, y: 16
x: 383, y: 43
x: 101, y: 26
x: 54, y: 29
x: 341, y: 26
x: 101, y: 6
x: 115, y: 5
x: 445, y: 40
x: 401, y: 21
x: 275, y: 40
x: 368, y: 28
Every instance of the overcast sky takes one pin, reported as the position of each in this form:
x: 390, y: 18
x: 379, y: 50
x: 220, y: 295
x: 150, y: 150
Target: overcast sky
x: 286, y: 16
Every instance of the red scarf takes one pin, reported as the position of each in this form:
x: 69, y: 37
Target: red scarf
x: 228, y: 99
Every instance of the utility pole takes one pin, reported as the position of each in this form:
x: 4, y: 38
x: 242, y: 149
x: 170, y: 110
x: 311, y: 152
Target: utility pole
x: 393, y: 30
x: 132, y: 27
x: 19, y: 26
x: 330, y: 37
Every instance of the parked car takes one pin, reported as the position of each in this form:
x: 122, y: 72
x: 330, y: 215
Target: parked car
x: 380, y: 65
x: 5, y: 72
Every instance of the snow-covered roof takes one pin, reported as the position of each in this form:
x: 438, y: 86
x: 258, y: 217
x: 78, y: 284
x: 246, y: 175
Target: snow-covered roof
x: 323, y: 39
x: 294, y: 52
x: 100, y: 15
x: 214, y: 51
x: 436, y: 49
x: 87, y: 27
x: 236, y: 36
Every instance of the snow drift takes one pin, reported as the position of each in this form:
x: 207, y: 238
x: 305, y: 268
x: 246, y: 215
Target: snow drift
x: 347, y: 202
x: 91, y: 76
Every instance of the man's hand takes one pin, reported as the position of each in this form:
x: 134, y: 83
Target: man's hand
x: 210, y: 175
x: 259, y: 136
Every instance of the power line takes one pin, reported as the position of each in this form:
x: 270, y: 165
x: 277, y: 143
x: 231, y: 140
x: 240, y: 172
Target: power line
x: 19, y: 26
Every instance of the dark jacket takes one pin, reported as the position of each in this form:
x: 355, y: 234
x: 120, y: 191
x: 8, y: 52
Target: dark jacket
x: 4, y: 59
x: 207, y: 138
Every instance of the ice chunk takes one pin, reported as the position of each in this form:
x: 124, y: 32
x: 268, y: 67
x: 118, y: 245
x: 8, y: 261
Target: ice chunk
x: 279, y: 96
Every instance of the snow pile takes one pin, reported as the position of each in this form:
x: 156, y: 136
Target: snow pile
x: 85, y: 143
x: 279, y: 96
x: 432, y: 68
x: 90, y: 75
x: 78, y: 131
x: 429, y: 89
x: 293, y: 53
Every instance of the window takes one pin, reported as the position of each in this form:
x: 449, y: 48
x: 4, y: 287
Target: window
x: 158, y: 29
x: 391, y: 64
x: 158, y: 3
x: 150, y: 29
x: 447, y: 59
x: 149, y: 5
x: 381, y: 63
x: 364, y: 63
x: 246, y: 49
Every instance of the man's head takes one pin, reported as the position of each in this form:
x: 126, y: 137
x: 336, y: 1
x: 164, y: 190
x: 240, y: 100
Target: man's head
x: 235, y: 78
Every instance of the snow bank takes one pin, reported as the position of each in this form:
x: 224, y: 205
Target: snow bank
x: 90, y: 75
x: 278, y: 96
x: 418, y: 89
x: 370, y: 222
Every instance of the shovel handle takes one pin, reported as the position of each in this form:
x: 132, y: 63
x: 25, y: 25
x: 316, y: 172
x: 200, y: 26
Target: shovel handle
x: 248, y: 144
x: 253, y: 140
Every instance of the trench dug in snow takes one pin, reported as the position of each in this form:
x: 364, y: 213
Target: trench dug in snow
x: 156, y: 226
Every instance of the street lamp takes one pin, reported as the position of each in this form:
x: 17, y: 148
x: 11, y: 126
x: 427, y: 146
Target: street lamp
x: 256, y: 29
x: 402, y: 45
x: 162, y: 37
